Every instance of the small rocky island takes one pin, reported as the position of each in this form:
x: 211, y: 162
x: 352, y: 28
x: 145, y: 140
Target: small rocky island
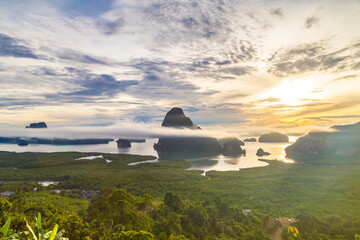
x: 37, y: 125
x: 250, y: 140
x: 22, y: 142
x: 123, y: 143
x: 274, y: 137
x: 260, y: 152
x: 184, y: 147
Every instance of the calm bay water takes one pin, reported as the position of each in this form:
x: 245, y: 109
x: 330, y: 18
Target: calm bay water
x: 218, y: 163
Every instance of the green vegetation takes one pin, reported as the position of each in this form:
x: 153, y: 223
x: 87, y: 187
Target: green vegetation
x: 165, y: 201
x: 36, y: 232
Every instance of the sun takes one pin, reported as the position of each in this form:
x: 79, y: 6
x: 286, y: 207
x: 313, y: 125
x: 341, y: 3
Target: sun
x: 293, y: 93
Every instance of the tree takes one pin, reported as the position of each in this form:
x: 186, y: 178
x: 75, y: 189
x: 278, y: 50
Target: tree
x: 173, y: 201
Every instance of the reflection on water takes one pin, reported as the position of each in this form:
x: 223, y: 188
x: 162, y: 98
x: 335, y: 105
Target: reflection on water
x: 228, y: 163
x: 93, y: 157
x: 47, y: 183
x: 202, y: 163
x: 218, y: 163
x: 148, y: 161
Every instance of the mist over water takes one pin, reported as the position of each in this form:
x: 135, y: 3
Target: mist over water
x: 218, y: 163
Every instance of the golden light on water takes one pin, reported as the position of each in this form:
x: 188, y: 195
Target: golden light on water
x: 282, y: 156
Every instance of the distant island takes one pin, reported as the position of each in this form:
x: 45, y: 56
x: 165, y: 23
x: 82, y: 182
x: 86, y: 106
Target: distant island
x: 21, y: 141
x: 250, y: 140
x: 274, y: 137
x: 123, y: 143
x: 37, y: 125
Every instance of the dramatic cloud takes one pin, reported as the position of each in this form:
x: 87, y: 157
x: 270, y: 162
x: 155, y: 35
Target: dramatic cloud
x: 261, y: 64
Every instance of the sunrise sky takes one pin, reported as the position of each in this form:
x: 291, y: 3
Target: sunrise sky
x: 256, y: 65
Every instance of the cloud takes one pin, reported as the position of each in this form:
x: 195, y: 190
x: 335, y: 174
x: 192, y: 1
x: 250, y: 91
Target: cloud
x: 111, y: 27
x: 18, y: 102
x: 238, y: 71
x: 163, y: 80
x: 92, y: 85
x: 124, y: 129
x: 102, y: 85
x: 139, y: 58
x: 342, y: 116
x: 14, y: 48
x: 311, y: 21
x: 225, y: 62
x: 270, y: 100
x: 69, y: 54
x: 90, y: 8
x: 278, y: 12
x: 202, y: 20
x: 357, y: 66
x: 313, y: 57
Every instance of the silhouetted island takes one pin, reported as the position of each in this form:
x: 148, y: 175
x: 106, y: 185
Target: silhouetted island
x: 345, y: 141
x: 23, y: 142
x: 260, y: 152
x: 123, y: 143
x: 184, y: 147
x: 176, y: 118
x: 37, y: 125
x: 274, y: 137
x: 232, y: 148
x: 250, y: 140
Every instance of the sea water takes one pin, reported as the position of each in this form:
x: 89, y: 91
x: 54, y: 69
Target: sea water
x: 218, y: 163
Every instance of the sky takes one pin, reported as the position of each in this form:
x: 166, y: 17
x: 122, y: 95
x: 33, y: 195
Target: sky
x: 243, y: 67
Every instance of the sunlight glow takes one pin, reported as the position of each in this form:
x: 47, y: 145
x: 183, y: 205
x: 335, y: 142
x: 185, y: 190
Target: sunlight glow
x: 293, y: 93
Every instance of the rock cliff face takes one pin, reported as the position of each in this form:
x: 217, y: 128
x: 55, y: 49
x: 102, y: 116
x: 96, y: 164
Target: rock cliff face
x: 184, y: 147
x: 344, y: 142
x: 176, y: 118
x: 274, y: 137
x: 37, y: 125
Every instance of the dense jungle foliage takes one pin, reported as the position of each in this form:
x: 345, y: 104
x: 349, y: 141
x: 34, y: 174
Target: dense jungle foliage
x: 165, y: 201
